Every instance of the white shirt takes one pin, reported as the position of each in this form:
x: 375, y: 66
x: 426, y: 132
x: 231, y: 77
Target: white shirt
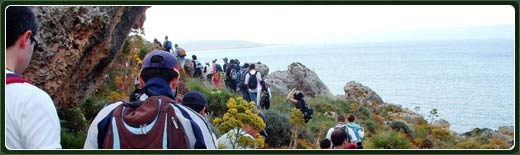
x: 209, y: 139
x: 31, y: 120
x: 224, y: 139
x: 350, y: 132
x: 258, y: 79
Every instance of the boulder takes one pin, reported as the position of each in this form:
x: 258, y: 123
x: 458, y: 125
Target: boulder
x: 263, y: 69
x: 362, y: 94
x: 300, y: 77
x: 441, y: 123
x: 77, y: 46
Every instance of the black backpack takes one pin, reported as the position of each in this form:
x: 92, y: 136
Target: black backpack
x: 349, y: 138
x: 307, y: 113
x: 264, y: 98
x: 252, y: 81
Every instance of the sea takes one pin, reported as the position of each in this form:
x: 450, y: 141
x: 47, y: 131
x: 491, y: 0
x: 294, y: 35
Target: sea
x: 471, y: 83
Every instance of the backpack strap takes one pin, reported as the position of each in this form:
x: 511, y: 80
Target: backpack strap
x: 197, y: 131
x: 15, y: 78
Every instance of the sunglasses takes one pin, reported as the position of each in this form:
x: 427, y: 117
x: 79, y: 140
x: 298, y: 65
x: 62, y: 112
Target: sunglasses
x: 35, y: 43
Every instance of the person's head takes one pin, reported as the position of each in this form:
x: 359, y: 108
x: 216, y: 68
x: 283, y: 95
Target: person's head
x: 350, y: 118
x: 325, y: 143
x: 298, y: 95
x: 176, y: 45
x: 194, y: 57
x: 160, y: 64
x: 196, y: 101
x: 246, y: 65
x: 225, y: 60
x: 251, y: 66
x: 21, y: 29
x: 338, y: 138
x: 263, y: 84
x: 214, y: 61
x: 165, y: 37
x: 341, y: 119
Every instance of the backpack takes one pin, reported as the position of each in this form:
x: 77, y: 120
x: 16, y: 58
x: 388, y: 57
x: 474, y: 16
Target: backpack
x: 181, y: 53
x: 233, y: 74
x: 219, y: 68
x: 151, y: 124
x: 349, y: 138
x: 252, y: 81
x: 168, y: 46
x: 264, y: 98
x: 307, y: 113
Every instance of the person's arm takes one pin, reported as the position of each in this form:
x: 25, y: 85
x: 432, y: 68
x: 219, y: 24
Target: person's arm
x: 246, y: 78
x: 290, y: 97
x: 41, y: 125
x: 352, y: 134
x: 361, y: 132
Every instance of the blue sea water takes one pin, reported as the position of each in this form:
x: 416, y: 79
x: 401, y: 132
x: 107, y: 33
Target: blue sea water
x: 470, y: 82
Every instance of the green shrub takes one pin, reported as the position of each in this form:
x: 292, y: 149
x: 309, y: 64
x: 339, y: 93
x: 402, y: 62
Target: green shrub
x: 369, y: 125
x: 442, y: 134
x: 466, y: 145
x: 72, y: 140
x: 401, y: 126
x: 216, y: 98
x: 392, y: 140
x: 277, y: 128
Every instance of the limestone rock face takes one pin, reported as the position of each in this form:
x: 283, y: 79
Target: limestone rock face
x: 263, y: 69
x: 77, y: 46
x: 362, y: 94
x: 441, y: 123
x: 300, y: 77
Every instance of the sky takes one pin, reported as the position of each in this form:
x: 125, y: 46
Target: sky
x: 287, y: 24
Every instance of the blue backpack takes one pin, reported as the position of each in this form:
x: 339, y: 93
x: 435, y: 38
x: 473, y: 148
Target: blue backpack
x: 168, y: 46
x: 356, y: 129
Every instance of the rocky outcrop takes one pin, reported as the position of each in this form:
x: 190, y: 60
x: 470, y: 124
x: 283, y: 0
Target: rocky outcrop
x: 78, y: 45
x: 362, y: 94
x: 300, y: 77
x: 263, y: 69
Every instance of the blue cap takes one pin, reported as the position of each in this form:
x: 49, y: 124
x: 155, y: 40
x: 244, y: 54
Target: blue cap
x: 194, y: 97
x: 159, y: 59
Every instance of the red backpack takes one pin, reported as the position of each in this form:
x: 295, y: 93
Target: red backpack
x: 151, y: 124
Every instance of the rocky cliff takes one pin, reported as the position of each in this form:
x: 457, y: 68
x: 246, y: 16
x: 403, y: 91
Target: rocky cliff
x: 300, y: 77
x: 78, y: 45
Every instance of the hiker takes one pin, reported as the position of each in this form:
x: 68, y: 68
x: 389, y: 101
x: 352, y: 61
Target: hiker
x: 296, y: 98
x: 358, y: 130
x: 216, y: 73
x: 208, y: 71
x: 339, y: 141
x: 225, y: 60
x: 155, y: 121
x: 231, y: 76
x: 252, y: 81
x: 31, y: 120
x: 167, y: 45
x: 349, y: 134
x: 325, y: 143
x: 198, y: 67
x: 180, y: 53
x: 156, y: 42
x: 247, y: 130
x: 264, y: 99
x: 243, y: 87
x: 198, y: 103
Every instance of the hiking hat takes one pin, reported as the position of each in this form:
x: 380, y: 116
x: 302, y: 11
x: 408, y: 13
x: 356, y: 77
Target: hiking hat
x: 194, y: 97
x: 159, y: 59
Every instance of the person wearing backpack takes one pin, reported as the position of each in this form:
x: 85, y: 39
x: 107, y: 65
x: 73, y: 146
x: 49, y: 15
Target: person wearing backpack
x: 265, y: 96
x: 351, y: 139
x: 357, y: 129
x: 216, y: 73
x: 31, y: 120
x: 296, y: 98
x: 167, y: 45
x: 243, y: 87
x: 155, y: 120
x: 231, y: 76
x: 339, y: 141
x: 180, y: 53
x: 198, y: 67
x: 252, y: 81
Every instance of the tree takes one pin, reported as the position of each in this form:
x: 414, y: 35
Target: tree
x: 239, y: 114
x: 297, y: 123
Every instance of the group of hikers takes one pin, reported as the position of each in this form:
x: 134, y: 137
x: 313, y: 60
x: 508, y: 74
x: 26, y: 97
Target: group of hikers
x: 151, y: 118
